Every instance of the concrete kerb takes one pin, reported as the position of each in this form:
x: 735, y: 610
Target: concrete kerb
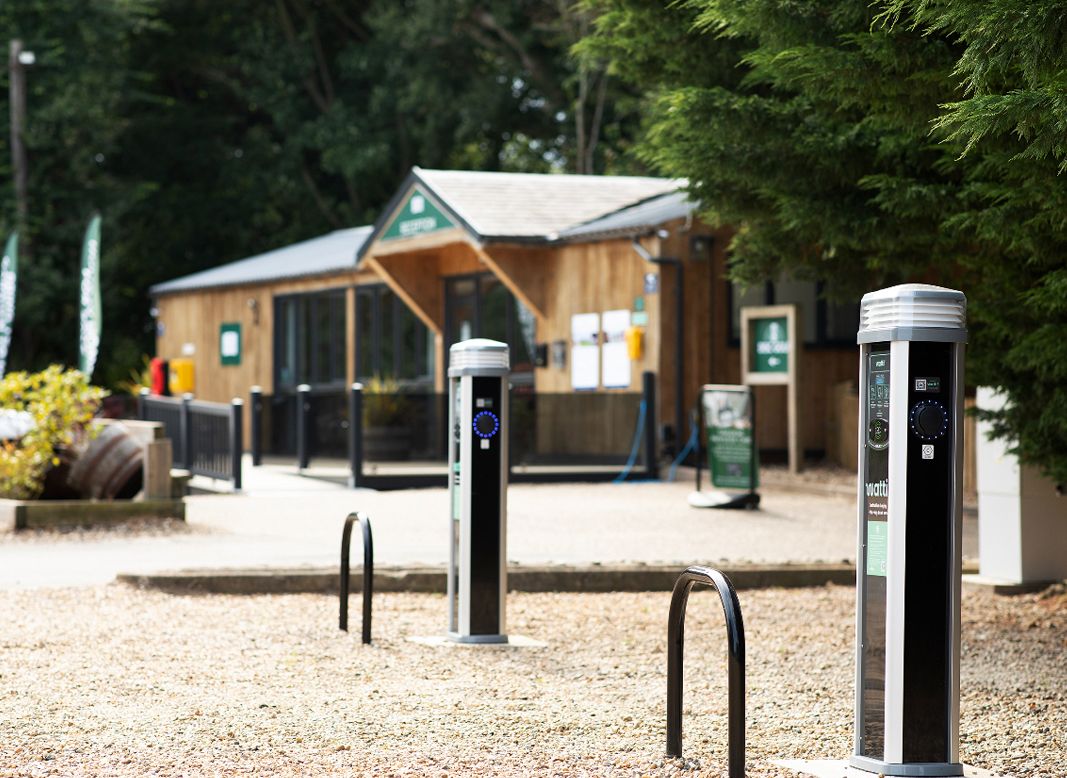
x: 592, y: 578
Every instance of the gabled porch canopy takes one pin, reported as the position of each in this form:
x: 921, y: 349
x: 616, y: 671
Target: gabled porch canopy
x: 447, y: 222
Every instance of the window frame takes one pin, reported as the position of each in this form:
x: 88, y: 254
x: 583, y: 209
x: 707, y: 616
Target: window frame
x: 512, y: 327
x: 374, y: 293
x: 821, y: 339
x: 307, y: 367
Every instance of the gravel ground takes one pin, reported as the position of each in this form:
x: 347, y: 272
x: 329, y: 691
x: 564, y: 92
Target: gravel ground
x: 112, y: 681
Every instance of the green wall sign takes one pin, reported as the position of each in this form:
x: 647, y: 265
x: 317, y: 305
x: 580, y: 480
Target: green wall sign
x: 419, y: 216
x: 230, y: 343
x: 770, y: 345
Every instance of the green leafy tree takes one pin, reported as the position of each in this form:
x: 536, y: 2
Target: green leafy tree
x: 818, y: 131
x: 206, y: 131
x: 78, y: 93
x: 1011, y: 123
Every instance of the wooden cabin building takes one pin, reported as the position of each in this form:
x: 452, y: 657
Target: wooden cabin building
x: 564, y: 268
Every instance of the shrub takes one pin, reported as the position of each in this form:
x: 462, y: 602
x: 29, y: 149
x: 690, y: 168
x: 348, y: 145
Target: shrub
x: 61, y: 403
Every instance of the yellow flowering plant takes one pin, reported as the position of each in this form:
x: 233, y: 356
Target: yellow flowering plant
x: 59, y: 404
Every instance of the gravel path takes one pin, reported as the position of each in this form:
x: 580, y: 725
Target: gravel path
x: 112, y: 681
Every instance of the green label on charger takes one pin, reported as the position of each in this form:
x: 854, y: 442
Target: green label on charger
x: 877, y: 547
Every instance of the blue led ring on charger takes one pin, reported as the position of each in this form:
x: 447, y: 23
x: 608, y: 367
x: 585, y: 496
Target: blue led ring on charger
x: 492, y: 432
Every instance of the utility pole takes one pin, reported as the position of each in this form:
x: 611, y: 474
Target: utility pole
x: 17, y: 61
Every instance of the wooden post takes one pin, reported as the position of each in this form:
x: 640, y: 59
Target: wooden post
x: 158, y: 459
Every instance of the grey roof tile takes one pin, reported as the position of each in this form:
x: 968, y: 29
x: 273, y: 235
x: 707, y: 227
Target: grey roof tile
x: 534, y: 205
x: 633, y: 220
x: 332, y: 252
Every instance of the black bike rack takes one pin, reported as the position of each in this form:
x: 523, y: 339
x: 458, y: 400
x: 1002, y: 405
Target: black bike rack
x: 735, y: 633
x: 368, y: 570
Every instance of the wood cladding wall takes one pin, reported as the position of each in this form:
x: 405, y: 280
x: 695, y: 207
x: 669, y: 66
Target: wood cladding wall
x: 556, y: 282
x: 194, y: 317
x: 588, y: 278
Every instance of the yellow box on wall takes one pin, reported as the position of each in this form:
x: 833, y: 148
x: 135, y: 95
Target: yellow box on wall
x: 182, y: 376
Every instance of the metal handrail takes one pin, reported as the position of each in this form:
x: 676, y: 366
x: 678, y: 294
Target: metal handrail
x: 368, y: 570
x: 735, y: 633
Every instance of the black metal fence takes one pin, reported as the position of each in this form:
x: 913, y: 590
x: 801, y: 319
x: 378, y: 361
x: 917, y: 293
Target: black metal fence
x: 206, y: 438
x: 400, y: 440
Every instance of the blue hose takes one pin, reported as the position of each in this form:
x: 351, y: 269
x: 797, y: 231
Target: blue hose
x: 635, y: 447
x: 689, y: 446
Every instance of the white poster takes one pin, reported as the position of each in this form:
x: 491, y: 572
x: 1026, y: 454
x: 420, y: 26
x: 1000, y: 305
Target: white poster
x: 585, y: 351
x: 616, y: 358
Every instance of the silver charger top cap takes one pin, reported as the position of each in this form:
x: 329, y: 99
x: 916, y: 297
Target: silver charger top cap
x: 478, y: 356
x: 913, y: 312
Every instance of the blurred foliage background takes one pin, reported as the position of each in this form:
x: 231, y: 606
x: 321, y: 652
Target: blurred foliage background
x: 857, y: 144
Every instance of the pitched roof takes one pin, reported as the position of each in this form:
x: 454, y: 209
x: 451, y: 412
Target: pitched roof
x: 531, y: 206
x: 328, y: 253
x: 633, y: 220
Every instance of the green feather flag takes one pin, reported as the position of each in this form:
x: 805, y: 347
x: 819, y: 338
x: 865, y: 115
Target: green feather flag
x: 89, y: 340
x: 9, y: 270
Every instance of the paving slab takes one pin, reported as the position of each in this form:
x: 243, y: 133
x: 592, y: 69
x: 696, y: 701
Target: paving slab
x: 286, y: 521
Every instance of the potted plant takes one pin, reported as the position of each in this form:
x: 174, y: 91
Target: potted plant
x: 386, y: 421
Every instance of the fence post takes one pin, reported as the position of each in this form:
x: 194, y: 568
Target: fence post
x: 355, y: 435
x: 186, y: 427
x: 256, y: 430
x: 142, y: 411
x: 237, y: 442
x: 303, y: 410
x: 648, y: 395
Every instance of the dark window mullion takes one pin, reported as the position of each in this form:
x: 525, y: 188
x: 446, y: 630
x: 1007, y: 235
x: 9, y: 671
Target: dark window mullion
x: 397, y: 360
x: 376, y: 338
x: 820, y: 314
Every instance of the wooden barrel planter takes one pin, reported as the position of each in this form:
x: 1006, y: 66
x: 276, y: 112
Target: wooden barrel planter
x: 110, y: 467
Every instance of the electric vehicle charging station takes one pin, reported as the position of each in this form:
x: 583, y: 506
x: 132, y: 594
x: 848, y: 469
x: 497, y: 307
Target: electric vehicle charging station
x: 478, y: 484
x: 909, y: 553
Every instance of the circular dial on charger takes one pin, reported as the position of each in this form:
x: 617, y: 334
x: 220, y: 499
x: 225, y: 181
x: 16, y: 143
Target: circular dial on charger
x: 486, y: 424
x: 929, y: 420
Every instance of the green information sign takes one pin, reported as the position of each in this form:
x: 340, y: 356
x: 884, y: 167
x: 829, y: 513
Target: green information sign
x: 419, y: 216
x: 877, y: 547
x: 230, y: 343
x: 732, y: 460
x: 770, y: 344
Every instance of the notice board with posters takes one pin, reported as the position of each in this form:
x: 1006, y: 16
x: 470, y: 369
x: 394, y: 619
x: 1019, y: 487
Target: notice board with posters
x: 770, y: 355
x: 585, y: 351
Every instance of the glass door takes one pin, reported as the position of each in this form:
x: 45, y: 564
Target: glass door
x: 480, y: 306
